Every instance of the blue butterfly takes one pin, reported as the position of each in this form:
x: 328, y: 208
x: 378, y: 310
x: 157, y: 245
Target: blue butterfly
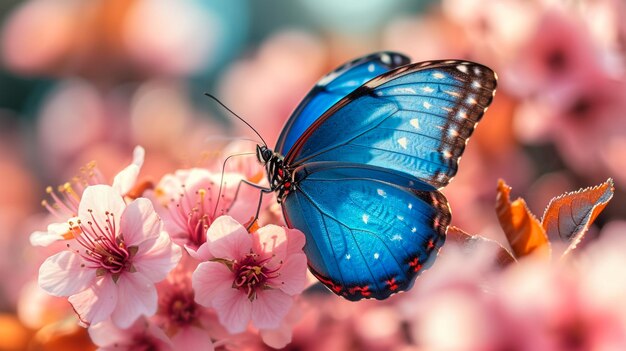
x: 358, y: 166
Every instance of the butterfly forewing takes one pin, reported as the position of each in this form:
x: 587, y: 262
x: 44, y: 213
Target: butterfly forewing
x: 332, y: 88
x: 414, y: 119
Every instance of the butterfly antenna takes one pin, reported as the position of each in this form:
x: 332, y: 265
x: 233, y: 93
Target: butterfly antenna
x: 236, y: 115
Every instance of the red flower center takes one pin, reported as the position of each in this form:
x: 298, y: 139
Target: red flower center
x: 103, y: 249
x: 252, y: 274
x: 182, y: 309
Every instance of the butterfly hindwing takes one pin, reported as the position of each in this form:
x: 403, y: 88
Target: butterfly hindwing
x: 369, y: 230
x: 414, y: 119
x: 332, y: 88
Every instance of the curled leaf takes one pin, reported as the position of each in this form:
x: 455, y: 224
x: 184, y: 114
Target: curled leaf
x: 522, y: 229
x: 569, y: 216
x: 457, y: 235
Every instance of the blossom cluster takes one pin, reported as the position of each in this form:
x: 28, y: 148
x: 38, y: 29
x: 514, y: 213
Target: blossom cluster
x: 169, y: 266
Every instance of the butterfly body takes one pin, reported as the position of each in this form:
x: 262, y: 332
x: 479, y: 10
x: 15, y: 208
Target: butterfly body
x: 359, y: 163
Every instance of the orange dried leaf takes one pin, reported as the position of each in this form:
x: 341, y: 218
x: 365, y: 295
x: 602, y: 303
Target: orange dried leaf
x: 522, y: 229
x: 569, y: 216
x: 464, y: 239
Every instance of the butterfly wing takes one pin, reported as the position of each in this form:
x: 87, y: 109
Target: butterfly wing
x: 387, y: 227
x: 414, y: 119
x: 332, y: 88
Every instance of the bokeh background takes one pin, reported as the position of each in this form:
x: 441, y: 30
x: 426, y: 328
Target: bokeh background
x: 88, y: 80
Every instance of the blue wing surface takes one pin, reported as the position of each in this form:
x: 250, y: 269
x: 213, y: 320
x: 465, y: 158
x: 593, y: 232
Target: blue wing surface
x: 369, y: 231
x: 332, y: 88
x: 414, y: 119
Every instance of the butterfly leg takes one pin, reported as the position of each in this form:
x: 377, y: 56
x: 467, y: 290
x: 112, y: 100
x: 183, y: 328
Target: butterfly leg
x: 262, y: 190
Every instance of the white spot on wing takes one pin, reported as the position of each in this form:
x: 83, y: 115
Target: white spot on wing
x: 381, y: 192
x: 427, y: 104
x: 396, y: 237
x: 415, y: 123
x: 365, y: 218
x: 403, y: 142
x: 462, y: 68
x: 327, y: 79
x: 413, y: 230
x: 348, y: 256
x: 405, y: 90
x: 447, y: 154
x: 410, y: 206
x: 385, y: 59
x: 438, y: 75
x: 371, y: 67
x: 452, y: 93
x: 400, y: 218
x: 376, y: 255
x: 428, y: 89
x: 476, y: 84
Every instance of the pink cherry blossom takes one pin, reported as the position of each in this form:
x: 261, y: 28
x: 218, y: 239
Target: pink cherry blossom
x: 64, y: 202
x: 189, y: 325
x: 116, y: 255
x: 191, y: 199
x: 250, y: 277
x: 141, y: 336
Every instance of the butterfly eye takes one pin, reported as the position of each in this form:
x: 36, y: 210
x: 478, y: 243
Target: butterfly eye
x: 263, y: 154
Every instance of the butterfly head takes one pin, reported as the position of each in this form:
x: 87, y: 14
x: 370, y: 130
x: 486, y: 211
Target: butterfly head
x: 263, y: 154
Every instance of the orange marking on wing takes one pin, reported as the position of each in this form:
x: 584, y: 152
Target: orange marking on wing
x: 415, y: 263
x: 430, y: 245
x: 391, y: 284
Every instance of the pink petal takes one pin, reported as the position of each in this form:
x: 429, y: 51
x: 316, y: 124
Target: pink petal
x: 125, y: 179
x: 296, y: 241
x: 56, y: 232
x: 276, y: 338
x: 199, y: 177
x: 228, y: 239
x: 139, y: 222
x: 281, y: 336
x: 271, y: 240
x: 192, y: 339
x: 140, y: 298
x: 233, y: 310
x: 209, y: 280
x: 245, y: 206
x: 203, y: 253
x: 96, y: 303
x: 108, y: 336
x: 157, y: 261
x: 270, y: 308
x: 106, y: 333
x: 100, y: 199
x: 64, y: 275
x: 292, y: 279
